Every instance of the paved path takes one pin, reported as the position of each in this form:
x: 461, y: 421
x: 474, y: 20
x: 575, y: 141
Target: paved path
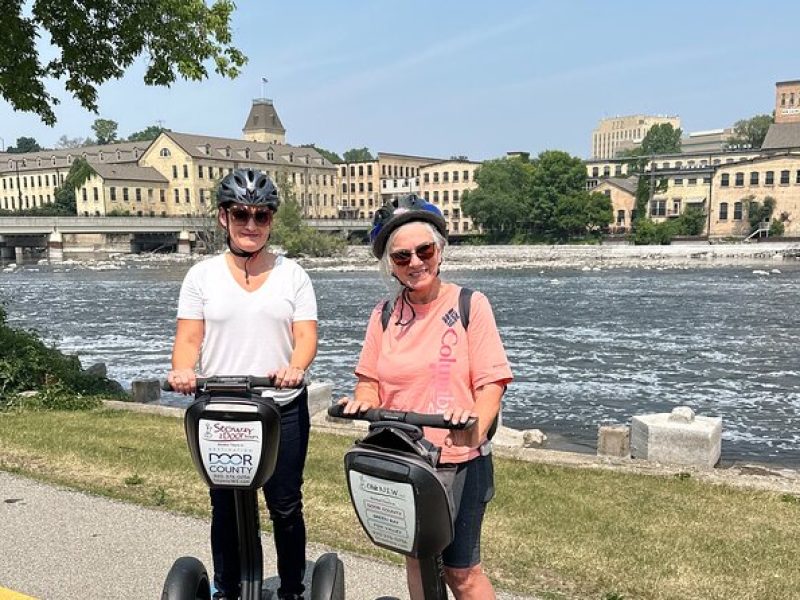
x: 59, y: 544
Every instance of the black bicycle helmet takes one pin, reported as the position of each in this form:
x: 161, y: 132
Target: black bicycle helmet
x: 399, y: 212
x: 248, y: 186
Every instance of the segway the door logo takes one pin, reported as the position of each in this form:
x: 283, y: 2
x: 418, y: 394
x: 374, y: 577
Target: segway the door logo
x: 230, y: 451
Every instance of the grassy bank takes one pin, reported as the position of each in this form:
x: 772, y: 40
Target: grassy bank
x: 555, y: 532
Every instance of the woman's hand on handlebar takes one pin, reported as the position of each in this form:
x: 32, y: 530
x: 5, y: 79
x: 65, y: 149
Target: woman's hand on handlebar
x: 183, y: 381
x: 461, y: 437
x: 352, y: 407
x: 289, y: 377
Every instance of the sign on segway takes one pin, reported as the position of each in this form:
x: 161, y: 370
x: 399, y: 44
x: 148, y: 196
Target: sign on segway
x: 230, y: 450
x: 386, y: 508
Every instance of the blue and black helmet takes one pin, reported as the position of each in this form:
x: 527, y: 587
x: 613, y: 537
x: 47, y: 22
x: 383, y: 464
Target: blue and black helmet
x: 248, y: 186
x: 399, y: 212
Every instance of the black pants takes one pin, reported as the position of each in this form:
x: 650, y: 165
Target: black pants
x: 285, y: 504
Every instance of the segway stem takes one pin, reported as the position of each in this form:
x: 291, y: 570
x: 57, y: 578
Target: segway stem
x: 251, y: 563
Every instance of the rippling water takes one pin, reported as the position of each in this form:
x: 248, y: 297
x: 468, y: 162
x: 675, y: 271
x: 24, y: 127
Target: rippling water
x: 586, y: 347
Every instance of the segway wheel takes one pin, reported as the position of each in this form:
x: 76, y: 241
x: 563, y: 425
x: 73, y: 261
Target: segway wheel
x: 327, y: 579
x: 187, y: 580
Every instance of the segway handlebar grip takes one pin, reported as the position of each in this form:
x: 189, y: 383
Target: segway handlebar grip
x: 412, y: 418
x: 251, y: 380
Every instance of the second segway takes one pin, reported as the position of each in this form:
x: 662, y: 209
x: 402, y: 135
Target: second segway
x: 400, y: 501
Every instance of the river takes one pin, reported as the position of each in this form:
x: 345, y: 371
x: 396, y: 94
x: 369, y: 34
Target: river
x: 587, y: 347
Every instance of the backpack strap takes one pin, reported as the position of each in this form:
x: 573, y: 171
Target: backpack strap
x: 386, y: 313
x: 464, y: 302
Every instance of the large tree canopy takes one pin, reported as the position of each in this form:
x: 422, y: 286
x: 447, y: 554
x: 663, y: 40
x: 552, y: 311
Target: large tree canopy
x: 96, y: 41
x: 750, y: 133
x: 24, y: 144
x: 358, y: 155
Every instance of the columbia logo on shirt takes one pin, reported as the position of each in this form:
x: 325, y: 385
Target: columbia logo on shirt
x: 450, y: 317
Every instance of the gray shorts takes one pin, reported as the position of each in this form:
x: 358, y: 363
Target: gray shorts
x: 470, y: 486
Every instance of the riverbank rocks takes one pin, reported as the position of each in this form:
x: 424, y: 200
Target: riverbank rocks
x: 679, y: 438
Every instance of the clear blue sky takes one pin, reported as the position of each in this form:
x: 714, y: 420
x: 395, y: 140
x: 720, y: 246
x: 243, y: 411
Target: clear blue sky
x: 473, y: 78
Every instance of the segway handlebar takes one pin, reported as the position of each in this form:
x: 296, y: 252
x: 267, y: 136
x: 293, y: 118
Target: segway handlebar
x: 237, y: 383
x: 412, y: 418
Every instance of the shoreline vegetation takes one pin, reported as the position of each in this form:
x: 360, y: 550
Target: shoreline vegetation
x: 560, y: 532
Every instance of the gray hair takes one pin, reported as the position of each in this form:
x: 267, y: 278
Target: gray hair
x: 385, y: 264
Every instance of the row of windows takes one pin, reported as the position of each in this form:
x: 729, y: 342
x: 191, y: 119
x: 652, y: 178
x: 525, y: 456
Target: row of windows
x: 769, y: 178
x: 35, y: 180
x: 10, y: 202
x: 15, y: 163
x: 445, y: 176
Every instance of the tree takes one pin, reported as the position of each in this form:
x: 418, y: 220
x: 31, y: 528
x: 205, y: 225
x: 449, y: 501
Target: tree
x: 65, y: 142
x: 105, y: 130
x: 97, y: 41
x: 749, y: 133
x: 24, y: 144
x: 147, y: 134
x: 556, y: 175
x: 582, y: 213
x: 500, y: 203
x: 357, y: 155
x: 330, y: 155
x: 661, y: 139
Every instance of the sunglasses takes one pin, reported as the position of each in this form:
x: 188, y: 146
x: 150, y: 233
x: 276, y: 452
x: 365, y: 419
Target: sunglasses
x: 403, y: 257
x: 241, y: 215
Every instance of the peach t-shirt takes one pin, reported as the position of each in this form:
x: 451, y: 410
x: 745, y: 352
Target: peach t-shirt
x: 433, y: 363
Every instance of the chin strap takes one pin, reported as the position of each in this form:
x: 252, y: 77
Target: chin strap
x: 404, y: 301
x: 248, y: 256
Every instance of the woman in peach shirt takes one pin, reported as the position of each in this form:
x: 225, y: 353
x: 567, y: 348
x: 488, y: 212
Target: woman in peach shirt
x: 425, y: 360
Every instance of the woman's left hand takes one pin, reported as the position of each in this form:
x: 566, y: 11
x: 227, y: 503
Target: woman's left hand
x: 289, y: 377
x: 462, y: 437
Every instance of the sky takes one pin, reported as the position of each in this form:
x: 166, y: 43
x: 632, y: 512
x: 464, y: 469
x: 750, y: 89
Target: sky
x: 450, y: 78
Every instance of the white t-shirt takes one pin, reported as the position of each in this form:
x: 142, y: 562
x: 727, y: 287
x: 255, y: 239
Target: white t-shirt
x: 247, y: 333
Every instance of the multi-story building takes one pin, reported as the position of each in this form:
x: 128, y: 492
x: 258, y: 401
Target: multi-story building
x: 622, y: 193
x: 367, y: 185
x: 175, y: 174
x: 443, y: 183
x: 624, y: 133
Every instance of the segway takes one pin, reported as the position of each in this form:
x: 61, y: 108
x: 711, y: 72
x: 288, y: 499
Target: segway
x: 233, y: 433
x: 401, y: 503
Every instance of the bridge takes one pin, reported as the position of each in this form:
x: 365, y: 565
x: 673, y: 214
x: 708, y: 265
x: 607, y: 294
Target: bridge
x: 60, y: 235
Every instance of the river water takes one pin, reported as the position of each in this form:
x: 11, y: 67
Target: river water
x: 586, y: 347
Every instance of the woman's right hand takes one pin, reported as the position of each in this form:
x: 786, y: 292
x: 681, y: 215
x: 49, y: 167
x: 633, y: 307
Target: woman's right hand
x: 183, y: 381
x: 352, y: 407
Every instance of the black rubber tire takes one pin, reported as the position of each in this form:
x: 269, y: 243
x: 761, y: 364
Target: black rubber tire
x: 187, y: 580
x: 327, y: 579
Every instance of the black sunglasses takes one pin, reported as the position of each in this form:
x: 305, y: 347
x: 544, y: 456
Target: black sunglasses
x: 403, y: 257
x: 241, y: 215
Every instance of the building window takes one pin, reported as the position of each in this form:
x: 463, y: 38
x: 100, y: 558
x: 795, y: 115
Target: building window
x: 436, y: 177
x: 797, y: 177
x: 754, y: 177
x: 162, y: 195
x: 455, y: 176
x: 369, y: 169
x: 725, y: 180
x: 186, y: 195
x: 95, y: 194
x: 692, y: 181
x: 83, y: 194
x: 739, y: 179
x: 177, y: 196
x: 617, y: 170
x: 658, y: 208
x: 200, y: 171
x: 426, y: 178
x: 165, y: 152
x: 678, y: 181
x: 785, y: 177
x: 124, y: 194
x: 113, y: 194
x: 723, y: 211
x: 185, y: 171
x: 446, y: 177
x: 595, y: 171
x: 174, y: 171
x: 737, y: 211
x: 466, y: 175
x: 606, y: 171
x: 361, y: 170
x: 769, y: 178
x: 138, y: 194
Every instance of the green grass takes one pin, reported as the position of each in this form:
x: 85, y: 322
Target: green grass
x: 557, y: 532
